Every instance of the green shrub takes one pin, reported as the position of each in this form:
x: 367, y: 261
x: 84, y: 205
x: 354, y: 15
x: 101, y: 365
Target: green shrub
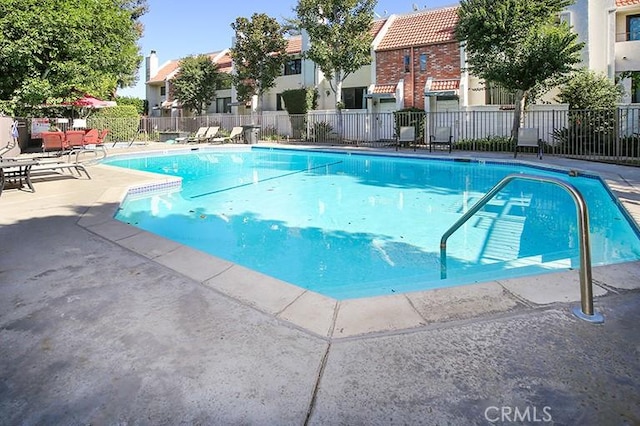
x: 140, y: 104
x: 489, y: 144
x: 322, y: 131
x: 297, y: 102
x: 123, y: 122
x: 410, y: 117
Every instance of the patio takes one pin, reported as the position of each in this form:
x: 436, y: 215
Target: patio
x: 102, y: 325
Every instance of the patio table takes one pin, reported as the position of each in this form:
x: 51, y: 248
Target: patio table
x: 16, y: 171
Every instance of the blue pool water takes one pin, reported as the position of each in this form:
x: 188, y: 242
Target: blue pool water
x: 350, y: 226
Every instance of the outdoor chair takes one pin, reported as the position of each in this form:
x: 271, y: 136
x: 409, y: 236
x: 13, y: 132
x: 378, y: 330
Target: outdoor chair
x: 209, y: 135
x: 101, y: 142
x: 54, y: 141
x: 406, y: 136
x: 528, y: 138
x: 199, y: 134
x: 91, y: 137
x: 441, y: 136
x: 233, y: 136
x: 19, y: 170
x: 92, y: 141
x: 75, y: 139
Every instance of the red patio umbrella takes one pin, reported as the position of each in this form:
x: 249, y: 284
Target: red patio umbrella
x: 88, y: 101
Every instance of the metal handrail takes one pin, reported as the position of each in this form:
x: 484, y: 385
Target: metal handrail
x: 586, y: 286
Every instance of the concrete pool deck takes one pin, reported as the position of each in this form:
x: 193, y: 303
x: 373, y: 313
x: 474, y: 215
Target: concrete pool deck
x: 101, y: 322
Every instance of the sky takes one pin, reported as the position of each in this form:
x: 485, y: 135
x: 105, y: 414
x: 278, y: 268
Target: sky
x: 176, y: 29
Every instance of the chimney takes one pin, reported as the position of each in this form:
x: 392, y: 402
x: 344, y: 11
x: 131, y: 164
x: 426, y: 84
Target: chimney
x: 151, y: 65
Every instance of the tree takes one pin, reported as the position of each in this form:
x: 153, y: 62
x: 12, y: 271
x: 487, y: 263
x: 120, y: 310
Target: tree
x: 54, y: 48
x: 592, y: 99
x: 519, y: 45
x: 340, y: 36
x: 590, y: 90
x: 259, y: 54
x: 196, y: 82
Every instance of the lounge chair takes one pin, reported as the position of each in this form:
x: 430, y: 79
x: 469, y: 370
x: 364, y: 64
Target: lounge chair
x: 54, y: 141
x: 441, y: 136
x: 199, y: 134
x: 21, y: 167
x: 75, y: 138
x: 208, y: 136
x: 92, y: 141
x: 233, y: 136
x: 102, y: 136
x: 528, y: 137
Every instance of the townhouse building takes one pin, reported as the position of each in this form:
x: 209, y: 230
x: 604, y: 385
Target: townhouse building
x: 626, y: 41
x: 158, y: 86
x: 417, y: 62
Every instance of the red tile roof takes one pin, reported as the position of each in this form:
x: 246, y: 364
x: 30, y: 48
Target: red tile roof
x: 384, y: 89
x: 377, y: 26
x: 444, y: 85
x: 621, y: 3
x: 163, y: 72
x: 294, y: 45
x: 224, y: 63
x: 421, y: 28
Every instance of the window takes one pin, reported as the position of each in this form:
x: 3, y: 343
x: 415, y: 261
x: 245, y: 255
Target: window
x: 496, y: 95
x: 353, y: 97
x: 223, y: 105
x: 224, y: 82
x: 279, y: 106
x: 163, y: 90
x: 407, y: 63
x: 293, y: 67
x: 635, y: 87
x: 423, y: 62
x: 633, y: 27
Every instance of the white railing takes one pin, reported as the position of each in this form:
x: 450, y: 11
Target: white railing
x: 605, y: 135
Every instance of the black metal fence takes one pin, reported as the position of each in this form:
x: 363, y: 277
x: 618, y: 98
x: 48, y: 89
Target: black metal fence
x: 599, y: 135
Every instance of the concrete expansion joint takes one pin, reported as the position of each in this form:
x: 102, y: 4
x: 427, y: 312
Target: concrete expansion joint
x: 516, y: 297
x: 316, y: 386
x: 228, y: 268
x: 416, y: 310
x: 605, y: 286
x: 285, y: 307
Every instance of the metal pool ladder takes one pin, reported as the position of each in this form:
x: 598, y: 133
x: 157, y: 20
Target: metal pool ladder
x: 585, y: 312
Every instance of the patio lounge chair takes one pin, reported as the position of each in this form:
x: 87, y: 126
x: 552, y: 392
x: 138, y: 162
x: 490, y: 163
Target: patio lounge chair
x: 54, y: 141
x: 441, y: 136
x: 528, y: 137
x: 208, y: 136
x: 22, y: 167
x: 199, y: 134
x: 91, y: 142
x: 75, y: 139
x: 235, y: 134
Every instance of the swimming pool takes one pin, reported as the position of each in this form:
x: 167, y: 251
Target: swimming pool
x: 349, y: 225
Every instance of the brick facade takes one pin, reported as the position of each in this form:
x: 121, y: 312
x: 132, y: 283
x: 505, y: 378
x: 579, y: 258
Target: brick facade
x: 443, y: 63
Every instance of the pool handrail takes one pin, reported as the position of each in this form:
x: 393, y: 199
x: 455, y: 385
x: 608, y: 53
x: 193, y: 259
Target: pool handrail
x: 586, y: 312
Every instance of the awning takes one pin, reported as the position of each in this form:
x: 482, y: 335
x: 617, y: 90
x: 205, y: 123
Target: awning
x: 441, y: 87
x: 170, y: 104
x: 381, y: 91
